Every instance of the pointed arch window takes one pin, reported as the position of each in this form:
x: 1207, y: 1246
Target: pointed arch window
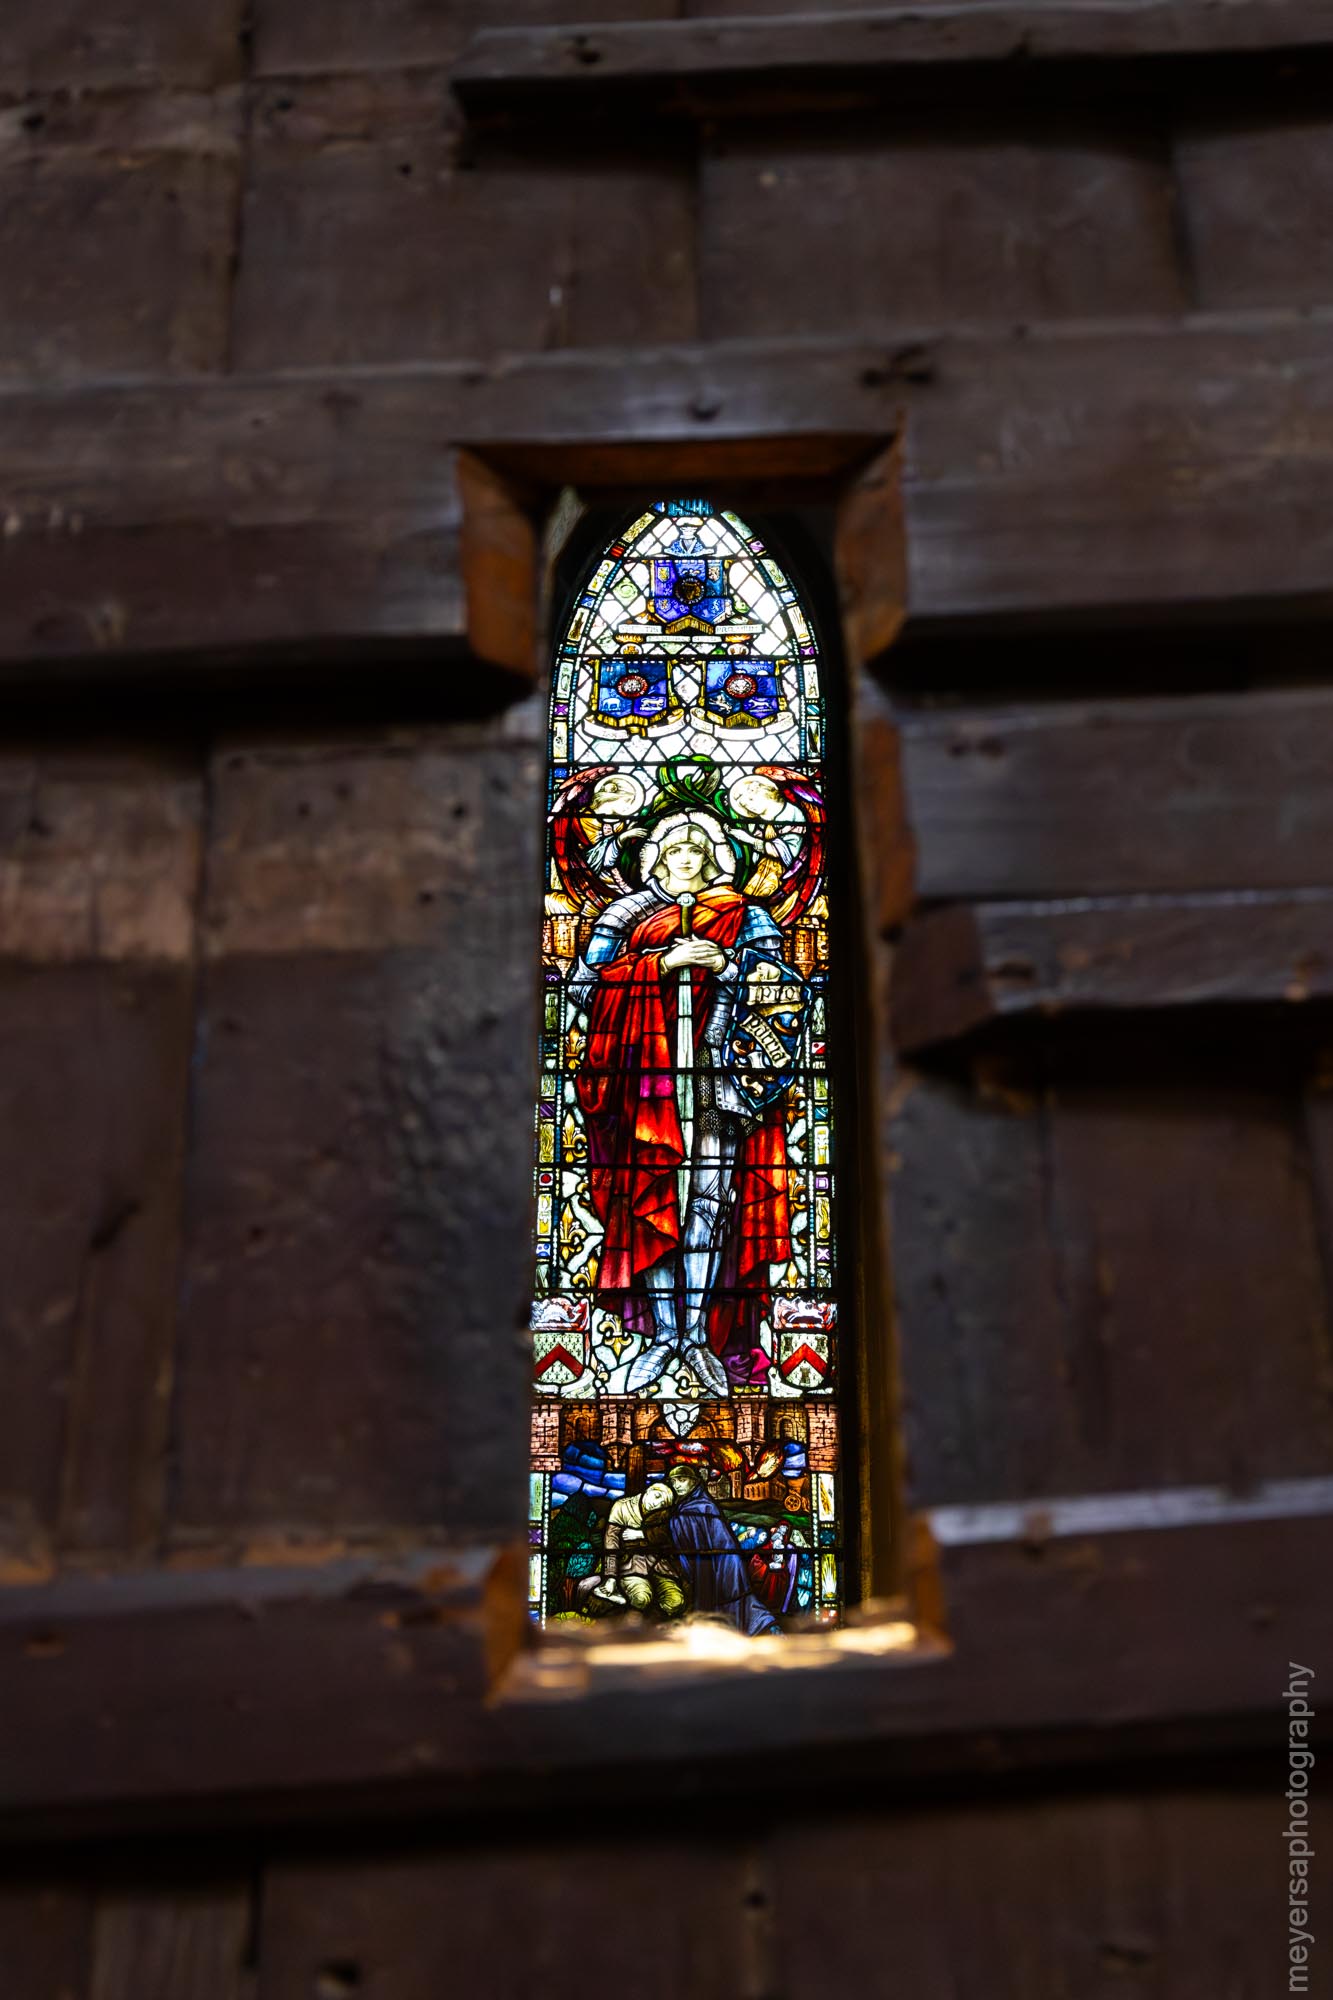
x: 685, y: 1426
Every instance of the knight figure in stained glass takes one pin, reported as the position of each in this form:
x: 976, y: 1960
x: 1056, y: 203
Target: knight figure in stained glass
x: 694, y: 1027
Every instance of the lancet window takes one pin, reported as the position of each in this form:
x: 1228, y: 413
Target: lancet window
x: 685, y: 1424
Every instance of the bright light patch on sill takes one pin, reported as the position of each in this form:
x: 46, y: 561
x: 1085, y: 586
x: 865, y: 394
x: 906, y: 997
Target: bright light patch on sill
x: 700, y: 1643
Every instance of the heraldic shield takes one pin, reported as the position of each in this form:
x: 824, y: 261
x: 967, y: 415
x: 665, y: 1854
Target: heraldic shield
x: 763, y: 1047
x: 633, y: 692
x: 689, y: 587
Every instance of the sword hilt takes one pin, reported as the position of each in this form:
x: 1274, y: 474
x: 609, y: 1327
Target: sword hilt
x: 686, y: 914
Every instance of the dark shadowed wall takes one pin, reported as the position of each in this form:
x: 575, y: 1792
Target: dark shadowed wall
x: 269, y: 840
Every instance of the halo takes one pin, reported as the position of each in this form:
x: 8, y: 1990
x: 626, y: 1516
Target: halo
x: 723, y: 853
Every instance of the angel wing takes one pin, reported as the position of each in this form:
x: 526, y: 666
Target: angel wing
x: 804, y: 874
x: 574, y: 832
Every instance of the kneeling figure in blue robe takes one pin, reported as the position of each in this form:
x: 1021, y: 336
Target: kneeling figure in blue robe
x: 710, y: 1556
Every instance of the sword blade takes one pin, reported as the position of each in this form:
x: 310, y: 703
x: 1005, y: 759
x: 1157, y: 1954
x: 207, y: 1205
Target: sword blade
x: 685, y: 1067
x: 685, y: 1084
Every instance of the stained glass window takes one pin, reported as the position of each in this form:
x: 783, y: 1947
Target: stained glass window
x: 685, y: 1429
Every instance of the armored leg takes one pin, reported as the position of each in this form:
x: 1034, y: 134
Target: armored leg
x: 663, y: 1283
x: 705, y: 1226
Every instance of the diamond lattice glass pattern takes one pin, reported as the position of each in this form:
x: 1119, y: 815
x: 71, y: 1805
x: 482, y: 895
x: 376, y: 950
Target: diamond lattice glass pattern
x: 684, y: 1325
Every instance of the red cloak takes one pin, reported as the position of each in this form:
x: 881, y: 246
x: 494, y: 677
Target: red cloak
x: 626, y: 1089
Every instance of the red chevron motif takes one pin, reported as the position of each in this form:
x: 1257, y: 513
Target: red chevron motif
x: 559, y: 1353
x: 791, y: 1362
